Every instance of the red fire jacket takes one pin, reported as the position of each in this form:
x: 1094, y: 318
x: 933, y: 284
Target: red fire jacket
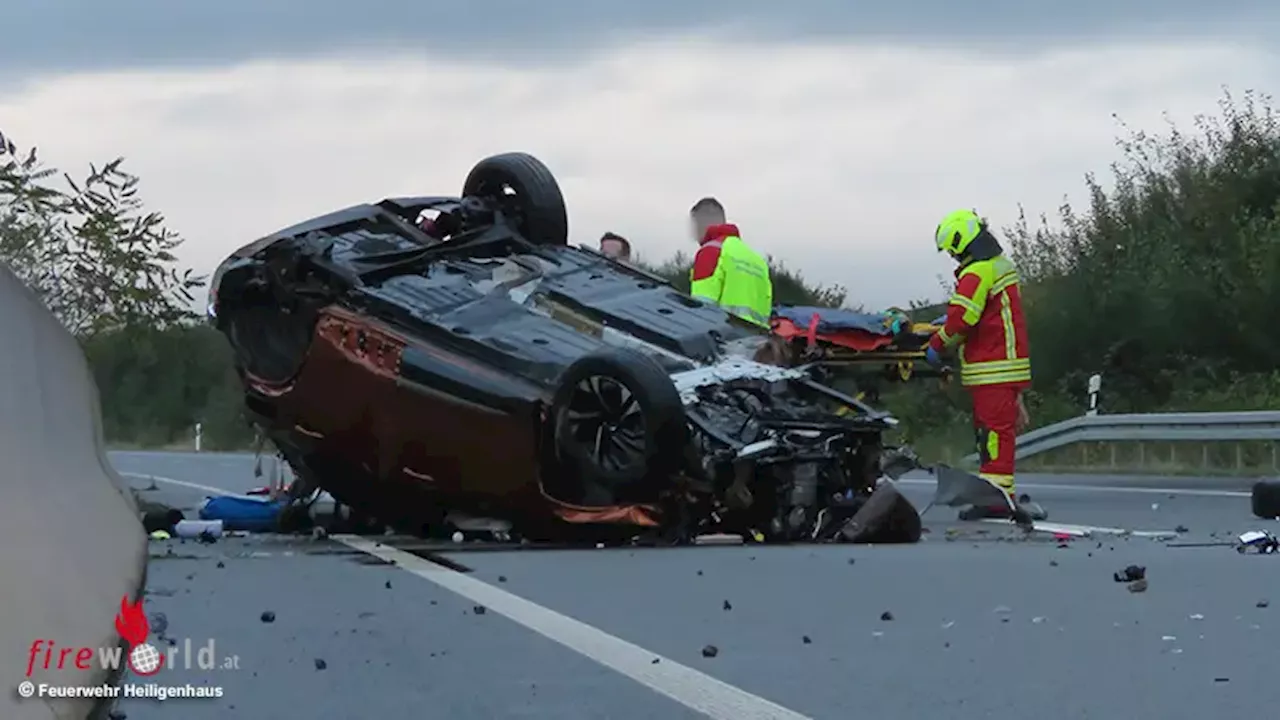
x: 985, y: 318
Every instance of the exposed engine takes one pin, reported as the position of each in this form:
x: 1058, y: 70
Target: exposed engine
x: 785, y: 466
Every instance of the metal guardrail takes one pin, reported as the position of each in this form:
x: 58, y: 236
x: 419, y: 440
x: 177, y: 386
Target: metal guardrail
x: 1153, y: 427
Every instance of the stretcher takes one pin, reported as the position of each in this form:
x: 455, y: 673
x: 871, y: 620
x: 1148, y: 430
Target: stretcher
x: 889, y: 342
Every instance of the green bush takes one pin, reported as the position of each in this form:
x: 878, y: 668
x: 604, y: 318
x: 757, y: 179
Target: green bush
x: 1165, y: 283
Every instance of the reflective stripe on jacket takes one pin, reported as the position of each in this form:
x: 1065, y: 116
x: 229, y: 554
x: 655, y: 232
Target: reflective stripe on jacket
x: 729, y: 273
x: 985, y: 318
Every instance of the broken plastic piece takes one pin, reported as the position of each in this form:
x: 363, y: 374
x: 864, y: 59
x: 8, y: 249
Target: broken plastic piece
x: 1130, y: 574
x: 1260, y: 541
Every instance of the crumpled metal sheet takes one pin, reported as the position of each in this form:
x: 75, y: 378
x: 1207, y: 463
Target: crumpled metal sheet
x: 957, y: 488
x: 887, y: 517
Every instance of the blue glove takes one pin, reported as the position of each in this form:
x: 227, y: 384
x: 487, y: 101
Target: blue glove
x: 932, y: 357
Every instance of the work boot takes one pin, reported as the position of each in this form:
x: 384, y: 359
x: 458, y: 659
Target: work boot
x: 1024, y: 511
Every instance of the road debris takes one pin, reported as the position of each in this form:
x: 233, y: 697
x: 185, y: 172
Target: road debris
x: 502, y: 578
x: 1263, y: 603
x: 479, y: 609
x: 655, y: 661
x: 1138, y: 586
x: 1182, y: 529
x: 321, y: 664
x: 221, y: 564
x: 727, y: 606
x: 1053, y: 563
x: 806, y: 639
x: 387, y: 585
x: 1260, y: 541
x: 1197, y: 616
x: 268, y: 617
x: 710, y: 651
x: 886, y: 616
x: 1130, y: 574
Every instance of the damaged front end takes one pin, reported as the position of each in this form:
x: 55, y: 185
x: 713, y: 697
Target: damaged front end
x: 774, y: 456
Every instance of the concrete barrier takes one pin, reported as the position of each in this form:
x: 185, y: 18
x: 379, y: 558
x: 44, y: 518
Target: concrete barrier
x: 71, y: 543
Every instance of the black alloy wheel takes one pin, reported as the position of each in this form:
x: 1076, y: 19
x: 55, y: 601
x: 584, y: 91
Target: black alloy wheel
x: 606, y: 420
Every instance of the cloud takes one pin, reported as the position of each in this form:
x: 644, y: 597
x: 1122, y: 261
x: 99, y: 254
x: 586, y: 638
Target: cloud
x: 44, y: 35
x: 836, y: 158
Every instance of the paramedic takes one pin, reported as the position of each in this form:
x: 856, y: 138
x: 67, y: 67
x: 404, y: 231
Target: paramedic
x: 726, y: 270
x: 985, y: 322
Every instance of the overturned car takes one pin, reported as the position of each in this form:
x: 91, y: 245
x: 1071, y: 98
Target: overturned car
x: 435, y: 358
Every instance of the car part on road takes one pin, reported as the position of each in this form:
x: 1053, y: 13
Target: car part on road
x: 886, y: 517
x: 1258, y: 541
x: 1265, y: 499
x: 1130, y: 573
x: 982, y: 499
x: 477, y: 364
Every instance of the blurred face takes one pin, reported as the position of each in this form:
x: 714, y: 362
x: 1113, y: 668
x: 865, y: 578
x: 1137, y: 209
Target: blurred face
x: 614, y: 249
x: 697, y: 227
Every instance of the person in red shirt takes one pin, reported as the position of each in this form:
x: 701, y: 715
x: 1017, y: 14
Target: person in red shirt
x: 986, y: 325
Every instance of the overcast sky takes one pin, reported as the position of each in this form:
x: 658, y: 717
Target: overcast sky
x: 836, y: 136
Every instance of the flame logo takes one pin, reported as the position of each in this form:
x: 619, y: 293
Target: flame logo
x: 131, y: 622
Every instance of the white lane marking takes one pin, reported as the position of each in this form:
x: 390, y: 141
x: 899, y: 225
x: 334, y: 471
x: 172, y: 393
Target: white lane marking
x: 183, y: 483
x: 1111, y: 489
x: 693, y: 689
x: 1089, y: 530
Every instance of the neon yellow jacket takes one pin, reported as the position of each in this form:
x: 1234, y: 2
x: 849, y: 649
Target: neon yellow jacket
x: 729, y: 273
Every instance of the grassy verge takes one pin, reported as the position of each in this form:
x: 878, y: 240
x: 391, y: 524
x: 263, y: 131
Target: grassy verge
x: 1227, y: 459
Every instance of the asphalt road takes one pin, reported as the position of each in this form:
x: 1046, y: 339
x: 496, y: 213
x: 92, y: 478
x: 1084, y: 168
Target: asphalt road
x: 984, y: 624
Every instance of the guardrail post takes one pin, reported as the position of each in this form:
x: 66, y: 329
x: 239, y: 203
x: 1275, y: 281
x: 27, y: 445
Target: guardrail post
x: 1095, y: 385
x: 199, y: 435
x: 1113, y: 455
x: 1239, y: 457
x: 1204, y: 456
x: 1142, y: 454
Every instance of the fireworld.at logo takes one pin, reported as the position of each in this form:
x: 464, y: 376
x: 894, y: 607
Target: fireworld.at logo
x: 143, y: 658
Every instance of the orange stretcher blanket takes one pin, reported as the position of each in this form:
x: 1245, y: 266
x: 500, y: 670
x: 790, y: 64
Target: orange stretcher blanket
x: 891, y: 331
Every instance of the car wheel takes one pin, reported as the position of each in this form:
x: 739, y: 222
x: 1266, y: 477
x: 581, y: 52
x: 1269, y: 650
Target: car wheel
x: 619, y: 423
x: 1266, y: 499
x: 526, y: 191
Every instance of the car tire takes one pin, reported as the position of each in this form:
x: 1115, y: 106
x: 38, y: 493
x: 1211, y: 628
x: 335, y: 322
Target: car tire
x: 1266, y: 499
x: 644, y: 426
x: 538, y: 208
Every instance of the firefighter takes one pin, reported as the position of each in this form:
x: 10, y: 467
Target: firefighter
x: 985, y: 323
x: 726, y: 270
